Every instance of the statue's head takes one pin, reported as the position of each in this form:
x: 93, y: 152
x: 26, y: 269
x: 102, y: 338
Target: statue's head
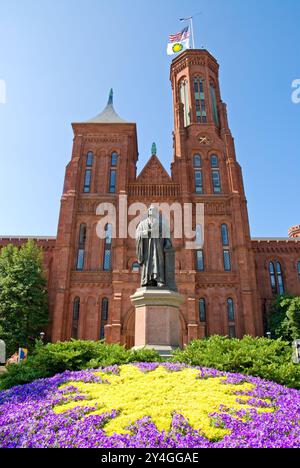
x: 153, y: 211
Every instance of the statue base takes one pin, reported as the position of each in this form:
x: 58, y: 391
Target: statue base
x: 157, y: 323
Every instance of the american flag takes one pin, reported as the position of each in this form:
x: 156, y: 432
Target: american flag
x: 180, y: 36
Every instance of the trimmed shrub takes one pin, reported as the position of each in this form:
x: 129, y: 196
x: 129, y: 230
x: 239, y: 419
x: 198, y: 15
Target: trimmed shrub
x: 52, y: 359
x: 259, y: 357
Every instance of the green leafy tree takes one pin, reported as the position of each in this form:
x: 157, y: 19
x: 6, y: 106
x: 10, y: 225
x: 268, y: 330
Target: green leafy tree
x: 23, y: 296
x: 284, y: 318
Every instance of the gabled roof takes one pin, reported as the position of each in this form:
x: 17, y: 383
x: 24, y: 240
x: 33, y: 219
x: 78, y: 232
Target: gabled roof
x: 154, y: 173
x: 108, y: 115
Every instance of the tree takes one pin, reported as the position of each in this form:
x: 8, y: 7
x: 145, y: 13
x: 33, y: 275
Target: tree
x: 284, y: 318
x: 23, y: 296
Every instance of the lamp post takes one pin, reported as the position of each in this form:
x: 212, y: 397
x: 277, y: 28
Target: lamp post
x: 268, y: 335
x: 42, y: 337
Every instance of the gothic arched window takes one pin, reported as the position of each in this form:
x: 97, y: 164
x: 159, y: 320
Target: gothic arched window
x: 227, y: 260
x: 136, y: 267
x: 89, y: 159
x: 214, y: 161
x: 225, y: 236
x: 230, y: 310
x: 272, y: 277
x: 184, y: 98
x: 87, y: 181
x: 197, y: 161
x: 199, y: 260
x: 199, y: 93
x: 276, y: 278
x: 298, y: 269
x: 202, y: 310
x: 104, y: 317
x: 107, y: 248
x: 215, y: 173
x: 75, y: 318
x: 279, y: 279
x: 231, y: 318
x: 81, y: 247
x: 114, y: 159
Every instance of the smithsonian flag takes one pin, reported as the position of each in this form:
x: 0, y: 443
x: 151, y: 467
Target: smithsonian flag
x: 177, y: 47
x: 179, y: 42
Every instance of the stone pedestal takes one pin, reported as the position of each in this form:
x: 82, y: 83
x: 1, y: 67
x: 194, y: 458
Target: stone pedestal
x: 157, y: 323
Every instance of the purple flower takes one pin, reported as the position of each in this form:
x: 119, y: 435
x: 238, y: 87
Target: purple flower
x: 27, y: 418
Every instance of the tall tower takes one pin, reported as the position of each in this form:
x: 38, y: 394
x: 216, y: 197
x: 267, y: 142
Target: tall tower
x: 85, y: 267
x: 205, y: 166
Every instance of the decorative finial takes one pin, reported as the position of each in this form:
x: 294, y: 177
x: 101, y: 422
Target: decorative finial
x: 154, y: 149
x: 111, y: 98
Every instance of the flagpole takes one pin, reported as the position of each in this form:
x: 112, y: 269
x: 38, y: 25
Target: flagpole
x: 192, y: 30
x: 190, y: 19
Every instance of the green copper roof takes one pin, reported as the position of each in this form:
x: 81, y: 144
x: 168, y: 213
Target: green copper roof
x: 109, y: 114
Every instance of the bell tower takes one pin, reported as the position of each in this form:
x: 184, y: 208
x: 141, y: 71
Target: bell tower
x: 206, y: 168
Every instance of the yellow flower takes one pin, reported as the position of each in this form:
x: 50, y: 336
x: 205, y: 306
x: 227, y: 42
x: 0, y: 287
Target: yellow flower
x: 158, y: 394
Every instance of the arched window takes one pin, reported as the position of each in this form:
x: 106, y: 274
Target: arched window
x: 214, y: 161
x: 136, y: 267
x: 231, y: 318
x: 81, y: 247
x: 107, y: 248
x: 184, y: 98
x: 230, y: 310
x: 104, y: 317
x: 89, y: 159
x: 75, y: 319
x: 201, y: 116
x: 114, y: 159
x: 199, y: 260
x: 202, y: 310
x: 272, y: 277
x: 198, y: 182
x: 227, y: 260
x: 214, y: 104
x: 276, y: 278
x: 197, y: 161
x: 279, y: 279
x: 298, y: 269
x: 225, y: 236
x: 215, y: 174
x: 87, y: 181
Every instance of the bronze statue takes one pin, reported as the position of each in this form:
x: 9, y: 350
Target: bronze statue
x: 155, y: 252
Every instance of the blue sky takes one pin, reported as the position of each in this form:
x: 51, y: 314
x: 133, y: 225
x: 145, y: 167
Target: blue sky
x: 60, y: 57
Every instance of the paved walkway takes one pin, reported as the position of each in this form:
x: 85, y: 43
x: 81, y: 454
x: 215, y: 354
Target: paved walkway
x: 2, y: 369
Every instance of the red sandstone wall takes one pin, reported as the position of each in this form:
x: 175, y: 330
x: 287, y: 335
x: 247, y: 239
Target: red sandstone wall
x: 46, y: 244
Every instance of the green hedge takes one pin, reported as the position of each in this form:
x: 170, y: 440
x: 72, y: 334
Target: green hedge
x: 268, y: 359
x: 52, y: 359
x: 259, y: 357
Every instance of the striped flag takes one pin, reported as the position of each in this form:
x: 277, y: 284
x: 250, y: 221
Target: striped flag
x: 180, y: 36
x: 179, y: 42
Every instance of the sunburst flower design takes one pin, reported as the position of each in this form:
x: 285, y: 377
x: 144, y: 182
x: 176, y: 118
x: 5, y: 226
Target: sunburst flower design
x: 167, y: 405
x: 177, y: 47
x: 158, y: 394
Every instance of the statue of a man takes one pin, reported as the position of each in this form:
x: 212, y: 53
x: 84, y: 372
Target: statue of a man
x: 152, y: 240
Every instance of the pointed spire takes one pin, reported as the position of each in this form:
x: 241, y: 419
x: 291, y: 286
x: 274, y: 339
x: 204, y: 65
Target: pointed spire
x: 108, y: 115
x: 111, y: 98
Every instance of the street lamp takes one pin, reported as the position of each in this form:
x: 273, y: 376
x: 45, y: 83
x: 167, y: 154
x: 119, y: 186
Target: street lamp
x: 42, y: 337
x: 268, y: 335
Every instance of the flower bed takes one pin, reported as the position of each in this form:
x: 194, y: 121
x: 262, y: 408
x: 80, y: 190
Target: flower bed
x: 150, y: 405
